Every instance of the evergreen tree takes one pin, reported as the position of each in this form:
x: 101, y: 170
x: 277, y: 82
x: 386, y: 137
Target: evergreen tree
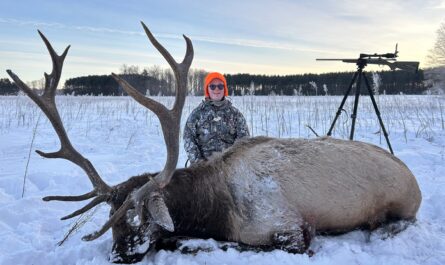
x: 7, y: 88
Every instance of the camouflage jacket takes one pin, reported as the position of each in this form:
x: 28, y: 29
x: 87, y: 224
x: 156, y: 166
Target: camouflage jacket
x: 212, y: 128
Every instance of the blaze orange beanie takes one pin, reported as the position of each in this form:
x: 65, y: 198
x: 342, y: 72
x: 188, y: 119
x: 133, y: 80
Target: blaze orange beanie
x: 209, y: 78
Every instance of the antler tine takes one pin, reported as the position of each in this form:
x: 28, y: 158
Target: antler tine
x: 159, y: 47
x: 149, y: 103
x: 181, y: 91
x: 180, y: 70
x: 113, y: 219
x: 52, y: 80
x: 82, y: 197
x: 99, y: 199
x: 46, y: 103
x: 188, y: 58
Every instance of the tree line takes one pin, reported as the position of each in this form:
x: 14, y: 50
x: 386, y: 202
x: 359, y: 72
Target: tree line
x: 150, y: 81
x: 7, y: 88
x: 158, y: 81
x: 384, y: 82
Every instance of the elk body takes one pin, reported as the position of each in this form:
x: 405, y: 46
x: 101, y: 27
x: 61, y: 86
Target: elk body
x: 260, y: 192
x: 262, y: 188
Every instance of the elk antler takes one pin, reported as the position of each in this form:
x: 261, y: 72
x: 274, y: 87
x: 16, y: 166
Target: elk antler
x: 170, y: 119
x: 46, y: 103
x: 170, y: 122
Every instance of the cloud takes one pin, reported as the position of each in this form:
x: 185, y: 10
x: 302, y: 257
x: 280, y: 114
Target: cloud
x: 30, y: 23
x: 440, y: 5
x: 255, y: 43
x: 251, y: 43
x: 63, y: 26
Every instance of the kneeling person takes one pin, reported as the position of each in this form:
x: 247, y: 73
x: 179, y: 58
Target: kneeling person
x: 215, y: 124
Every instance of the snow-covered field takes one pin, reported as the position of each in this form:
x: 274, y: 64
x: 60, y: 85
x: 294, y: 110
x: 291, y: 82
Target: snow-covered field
x: 123, y: 139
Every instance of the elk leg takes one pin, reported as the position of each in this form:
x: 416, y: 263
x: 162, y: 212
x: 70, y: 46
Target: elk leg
x: 391, y: 229
x: 294, y: 241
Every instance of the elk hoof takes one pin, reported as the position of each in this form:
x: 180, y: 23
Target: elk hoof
x: 294, y: 241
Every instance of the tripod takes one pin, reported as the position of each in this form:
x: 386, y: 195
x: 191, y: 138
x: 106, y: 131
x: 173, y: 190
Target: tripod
x: 358, y: 75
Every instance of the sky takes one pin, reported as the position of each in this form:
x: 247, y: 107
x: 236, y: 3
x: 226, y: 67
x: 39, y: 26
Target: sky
x: 276, y: 37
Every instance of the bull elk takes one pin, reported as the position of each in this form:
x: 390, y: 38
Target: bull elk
x: 260, y: 192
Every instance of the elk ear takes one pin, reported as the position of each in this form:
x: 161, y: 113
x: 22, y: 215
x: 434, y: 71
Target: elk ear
x: 159, y: 212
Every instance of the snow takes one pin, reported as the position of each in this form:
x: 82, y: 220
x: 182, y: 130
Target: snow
x: 122, y: 139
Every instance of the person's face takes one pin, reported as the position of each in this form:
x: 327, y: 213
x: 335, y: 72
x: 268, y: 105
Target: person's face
x: 216, y: 89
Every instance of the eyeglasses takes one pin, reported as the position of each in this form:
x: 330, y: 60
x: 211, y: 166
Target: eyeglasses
x: 219, y: 86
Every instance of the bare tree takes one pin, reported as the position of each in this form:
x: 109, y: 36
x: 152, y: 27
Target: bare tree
x: 36, y: 84
x: 154, y: 71
x: 435, y: 75
x: 436, y: 56
x: 196, y: 81
x: 129, y: 69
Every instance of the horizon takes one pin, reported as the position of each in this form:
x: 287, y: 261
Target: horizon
x: 254, y: 37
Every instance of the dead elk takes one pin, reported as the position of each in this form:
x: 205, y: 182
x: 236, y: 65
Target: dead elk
x: 260, y: 192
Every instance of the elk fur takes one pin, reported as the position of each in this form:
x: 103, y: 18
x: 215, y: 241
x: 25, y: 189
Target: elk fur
x: 263, y: 186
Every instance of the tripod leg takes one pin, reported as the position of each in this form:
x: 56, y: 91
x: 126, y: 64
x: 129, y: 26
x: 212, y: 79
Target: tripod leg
x: 342, y: 104
x: 371, y: 94
x: 357, y: 95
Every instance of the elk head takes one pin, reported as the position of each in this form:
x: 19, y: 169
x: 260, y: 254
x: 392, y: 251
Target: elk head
x: 139, y: 195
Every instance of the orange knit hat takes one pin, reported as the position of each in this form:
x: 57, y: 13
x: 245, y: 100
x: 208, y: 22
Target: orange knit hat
x: 209, y: 78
